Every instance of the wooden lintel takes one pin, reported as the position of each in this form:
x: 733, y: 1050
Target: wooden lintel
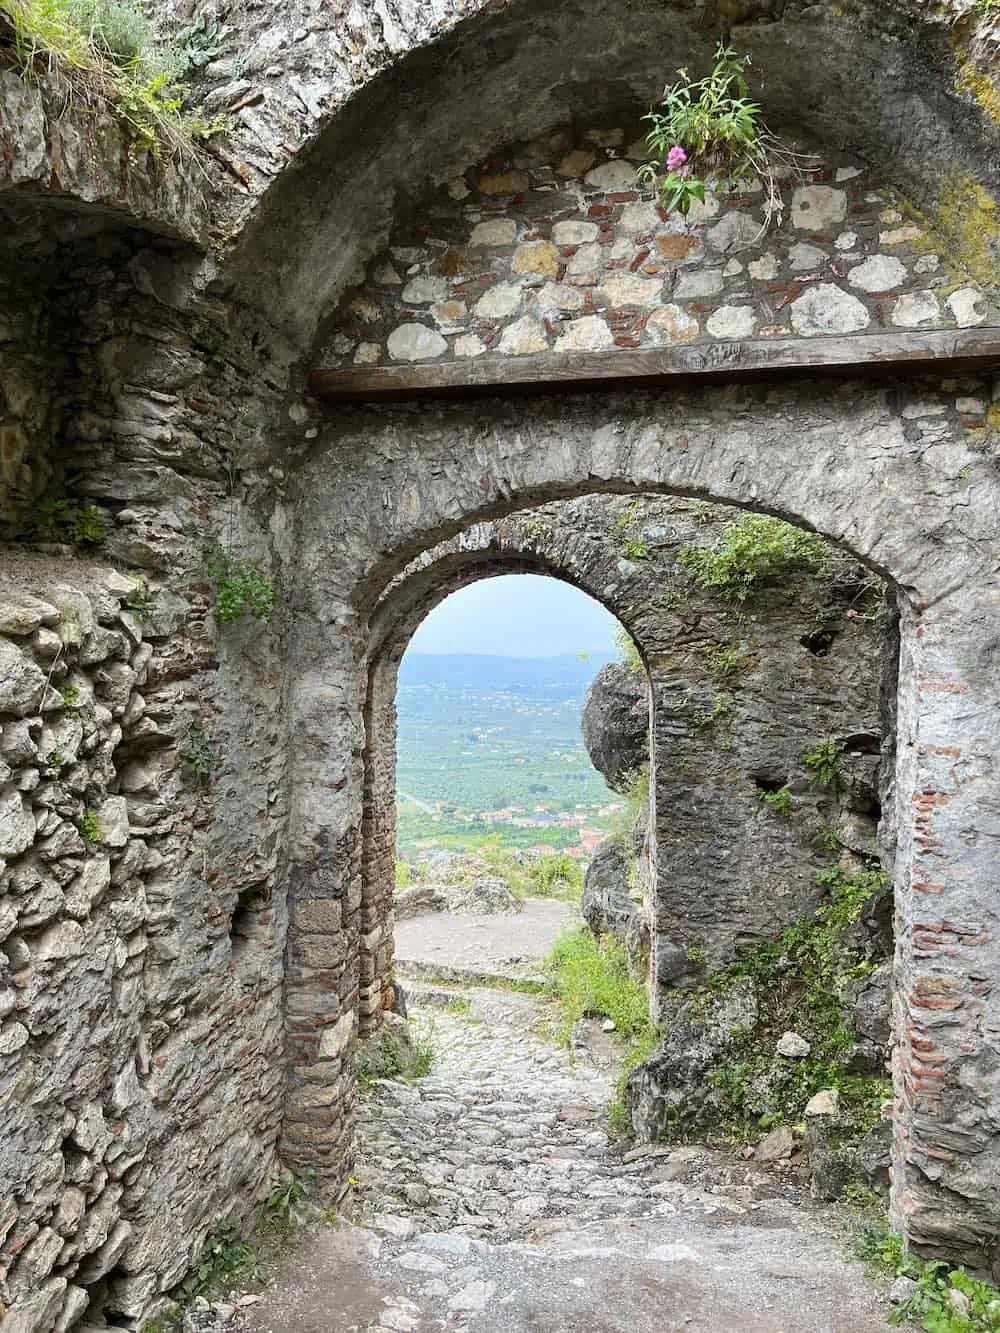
x: 919, y: 352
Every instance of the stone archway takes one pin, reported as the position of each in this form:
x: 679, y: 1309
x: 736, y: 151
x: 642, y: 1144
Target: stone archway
x: 850, y: 465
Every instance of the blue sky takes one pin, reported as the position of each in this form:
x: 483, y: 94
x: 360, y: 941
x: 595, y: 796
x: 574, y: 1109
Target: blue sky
x: 517, y: 615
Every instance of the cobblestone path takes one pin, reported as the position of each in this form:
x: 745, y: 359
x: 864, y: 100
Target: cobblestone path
x: 490, y: 1199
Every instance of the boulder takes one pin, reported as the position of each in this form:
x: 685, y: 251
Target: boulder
x: 616, y: 723
x: 606, y: 905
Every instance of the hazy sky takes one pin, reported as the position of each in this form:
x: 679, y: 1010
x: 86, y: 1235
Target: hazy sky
x: 517, y: 615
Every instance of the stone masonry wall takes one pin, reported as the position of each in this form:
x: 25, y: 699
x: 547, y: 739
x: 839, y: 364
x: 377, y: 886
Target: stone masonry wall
x: 140, y: 1049
x: 559, y: 246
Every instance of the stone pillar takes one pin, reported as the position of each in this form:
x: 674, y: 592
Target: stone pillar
x: 325, y: 917
x: 379, y: 846
x: 946, y: 1167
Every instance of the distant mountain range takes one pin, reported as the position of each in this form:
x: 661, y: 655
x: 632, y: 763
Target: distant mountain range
x: 480, y: 671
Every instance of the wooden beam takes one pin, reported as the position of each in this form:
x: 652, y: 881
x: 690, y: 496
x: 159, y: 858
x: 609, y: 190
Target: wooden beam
x: 939, y: 350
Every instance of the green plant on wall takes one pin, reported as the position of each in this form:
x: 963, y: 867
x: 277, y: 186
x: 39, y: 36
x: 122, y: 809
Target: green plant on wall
x: 111, y: 55
x: 823, y: 763
x: 754, y: 552
x: 710, y: 130
x: 241, y: 587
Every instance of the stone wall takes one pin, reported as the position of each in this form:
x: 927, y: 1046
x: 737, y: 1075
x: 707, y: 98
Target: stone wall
x: 559, y: 245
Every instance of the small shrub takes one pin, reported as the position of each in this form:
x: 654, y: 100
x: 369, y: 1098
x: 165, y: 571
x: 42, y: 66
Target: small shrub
x: 757, y: 550
x: 824, y: 764
x: 636, y: 548
x: 695, y: 955
x: 723, y: 706
x: 403, y: 875
x: 225, y: 1261
x: 629, y: 653
x: 288, y: 1193
x: 90, y: 829
x: 141, y: 602
x: 947, y: 1300
x: 727, y: 663
x: 556, y: 876
x: 591, y: 977
x: 198, y: 753
x: 54, y: 763
x: 70, y: 696
x: 780, y: 801
x: 241, y: 588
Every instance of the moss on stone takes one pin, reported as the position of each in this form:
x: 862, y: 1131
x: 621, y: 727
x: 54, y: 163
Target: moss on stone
x: 979, y: 84
x: 963, y: 225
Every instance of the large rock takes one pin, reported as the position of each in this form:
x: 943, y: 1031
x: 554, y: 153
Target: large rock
x: 673, y: 1090
x: 606, y: 905
x: 22, y: 683
x: 616, y: 724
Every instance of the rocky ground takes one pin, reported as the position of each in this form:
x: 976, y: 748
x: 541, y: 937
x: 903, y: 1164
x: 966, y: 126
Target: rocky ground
x: 489, y: 1198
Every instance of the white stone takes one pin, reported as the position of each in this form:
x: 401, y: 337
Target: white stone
x: 847, y: 240
x: 22, y: 682
x: 112, y: 821
x: 590, y: 334
x: 12, y: 1037
x: 415, y: 342
x: 457, y: 188
x: 699, y: 282
x: 847, y: 173
x: 587, y: 260
x: 733, y: 269
x: 736, y: 232
x: 469, y: 345
x: 702, y: 210
x: 64, y: 940
x: 827, y: 309
x: 803, y: 257
x: 615, y: 175
x: 21, y: 613
x: 17, y: 824
x: 732, y: 321
x: 523, y: 338
x: 764, y: 269
x: 575, y: 233
x: 817, y: 207
x: 915, y: 309
x: 424, y: 290
x: 475, y: 1296
x: 879, y: 273
x: 333, y: 1040
x: 448, y: 315
x: 368, y: 354
x: 968, y: 307
x: 556, y: 296
x: 638, y: 217
x: 826, y: 1102
x: 624, y: 290
x: 793, y: 1046
x: 927, y: 264
x: 671, y: 324
x: 497, y: 231
x: 500, y: 302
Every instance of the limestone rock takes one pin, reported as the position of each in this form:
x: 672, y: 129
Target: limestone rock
x: 424, y: 290
x: 22, y: 614
x: 524, y: 338
x: 699, y: 283
x: 968, y: 307
x: 21, y: 681
x: 671, y: 324
x: 415, y: 342
x: 572, y: 232
x: 737, y: 231
x: 732, y: 321
x: 499, y: 302
x: 495, y: 232
x: 639, y: 217
x: 627, y: 291
x: 17, y: 824
x: 827, y: 309
x: 778, y: 1146
x: 879, y: 273
x: 605, y: 904
x: 803, y: 257
x: 611, y: 176
x: 818, y: 207
x: 559, y: 296
x: 469, y: 345
x: 826, y: 1102
x: 590, y: 334
x: 915, y: 310
x: 539, y: 257
x: 793, y: 1046
x: 764, y: 269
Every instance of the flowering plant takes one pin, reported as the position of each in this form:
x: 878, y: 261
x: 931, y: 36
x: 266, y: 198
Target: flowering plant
x: 711, y: 128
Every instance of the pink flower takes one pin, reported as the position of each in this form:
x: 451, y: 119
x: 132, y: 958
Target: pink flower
x: 676, y: 157
x: 851, y: 615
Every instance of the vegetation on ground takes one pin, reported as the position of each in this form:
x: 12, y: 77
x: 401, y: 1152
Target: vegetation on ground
x: 65, y: 520
x: 112, y: 56
x: 388, y: 1056
x: 945, y: 1300
x: 756, y: 551
x: 591, y: 979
